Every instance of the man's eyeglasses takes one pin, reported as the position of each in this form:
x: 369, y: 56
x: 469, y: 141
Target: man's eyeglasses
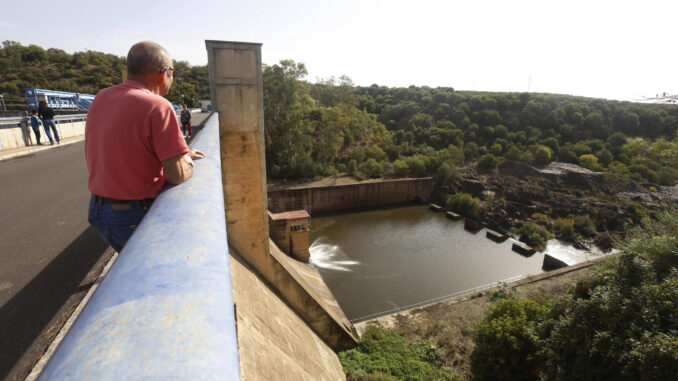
x: 171, y: 69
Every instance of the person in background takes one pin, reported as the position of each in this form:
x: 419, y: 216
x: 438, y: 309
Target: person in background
x: 35, y: 124
x: 133, y: 145
x: 47, y: 116
x: 186, y: 120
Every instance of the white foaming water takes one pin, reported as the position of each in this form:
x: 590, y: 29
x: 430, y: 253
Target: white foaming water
x: 326, y: 255
x: 568, y: 254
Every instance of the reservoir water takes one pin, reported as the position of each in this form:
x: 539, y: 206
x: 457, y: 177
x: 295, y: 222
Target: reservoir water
x: 384, y: 260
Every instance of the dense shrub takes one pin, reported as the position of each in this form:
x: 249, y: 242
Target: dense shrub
x: 445, y: 174
x: 371, y: 169
x: 400, y: 169
x: 464, y: 204
x: 585, y: 226
x: 620, y: 325
x: 381, y: 354
x: 563, y: 228
x: 589, y: 161
x: 487, y: 162
x: 542, y: 155
x: 534, y: 235
x: 417, y: 165
x: 506, y: 342
x: 616, y: 334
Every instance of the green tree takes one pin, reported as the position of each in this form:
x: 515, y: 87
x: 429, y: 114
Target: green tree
x: 400, y: 169
x: 487, y: 162
x: 589, y: 161
x: 506, y: 341
x: 286, y: 103
x: 542, y: 155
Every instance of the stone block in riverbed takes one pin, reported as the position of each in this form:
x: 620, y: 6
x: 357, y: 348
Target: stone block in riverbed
x: 496, y: 236
x: 453, y: 216
x: 522, y: 248
x: 552, y: 263
x: 436, y: 208
x: 472, y: 225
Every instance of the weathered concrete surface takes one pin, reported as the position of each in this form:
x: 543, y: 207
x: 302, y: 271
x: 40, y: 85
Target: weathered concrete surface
x: 15, y: 136
x: 522, y: 248
x: 436, y: 207
x: 294, y: 242
x: 453, y: 216
x: 237, y: 91
x: 472, y: 225
x: 274, y: 342
x: 552, y: 263
x: 354, y: 196
x: 304, y: 289
x: 496, y: 236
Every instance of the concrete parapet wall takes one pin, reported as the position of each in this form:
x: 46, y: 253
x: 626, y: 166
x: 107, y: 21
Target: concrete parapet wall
x: 165, y: 309
x: 353, y: 196
x: 18, y: 133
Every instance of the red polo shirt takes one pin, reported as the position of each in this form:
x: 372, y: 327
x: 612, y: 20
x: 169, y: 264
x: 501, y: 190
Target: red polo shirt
x: 129, y: 131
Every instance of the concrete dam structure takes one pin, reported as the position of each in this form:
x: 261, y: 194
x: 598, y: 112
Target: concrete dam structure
x: 201, y: 290
x: 323, y: 199
x: 288, y: 323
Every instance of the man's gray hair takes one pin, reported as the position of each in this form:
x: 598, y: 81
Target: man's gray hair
x: 145, y: 58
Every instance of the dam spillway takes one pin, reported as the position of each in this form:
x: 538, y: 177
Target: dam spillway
x: 379, y: 261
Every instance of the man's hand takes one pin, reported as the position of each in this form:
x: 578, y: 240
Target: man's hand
x: 196, y: 154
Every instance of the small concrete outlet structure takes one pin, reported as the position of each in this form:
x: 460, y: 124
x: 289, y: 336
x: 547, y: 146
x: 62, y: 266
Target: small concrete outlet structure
x: 522, y: 248
x: 290, y: 231
x: 496, y: 236
x: 237, y: 95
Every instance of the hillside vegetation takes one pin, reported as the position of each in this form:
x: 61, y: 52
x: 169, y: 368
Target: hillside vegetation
x: 83, y: 72
x: 333, y: 126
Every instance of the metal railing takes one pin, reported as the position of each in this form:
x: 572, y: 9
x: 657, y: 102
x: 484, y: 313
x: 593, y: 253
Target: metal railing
x: 165, y: 308
x: 16, y: 121
x: 59, y: 100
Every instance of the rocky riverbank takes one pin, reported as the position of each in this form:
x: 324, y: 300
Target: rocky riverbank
x: 517, y: 193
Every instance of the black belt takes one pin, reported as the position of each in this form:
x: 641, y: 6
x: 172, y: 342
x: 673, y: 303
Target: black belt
x: 106, y: 200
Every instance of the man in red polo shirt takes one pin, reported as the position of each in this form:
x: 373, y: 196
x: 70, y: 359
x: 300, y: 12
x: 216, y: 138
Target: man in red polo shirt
x: 133, y: 145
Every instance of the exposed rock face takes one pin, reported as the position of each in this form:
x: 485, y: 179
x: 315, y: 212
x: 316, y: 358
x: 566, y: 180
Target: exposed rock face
x: 561, y: 190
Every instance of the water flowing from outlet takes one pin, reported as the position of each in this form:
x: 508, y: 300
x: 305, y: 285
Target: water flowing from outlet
x: 326, y: 254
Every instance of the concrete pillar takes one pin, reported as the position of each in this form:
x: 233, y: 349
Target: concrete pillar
x: 237, y: 95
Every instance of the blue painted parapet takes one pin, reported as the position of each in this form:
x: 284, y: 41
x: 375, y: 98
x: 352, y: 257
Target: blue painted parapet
x: 165, y: 309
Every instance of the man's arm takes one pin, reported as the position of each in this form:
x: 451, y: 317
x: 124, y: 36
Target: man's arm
x: 179, y: 168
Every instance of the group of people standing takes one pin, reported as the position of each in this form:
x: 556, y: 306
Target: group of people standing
x: 46, y: 115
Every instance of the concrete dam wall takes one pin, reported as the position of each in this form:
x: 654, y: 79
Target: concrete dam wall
x: 353, y: 196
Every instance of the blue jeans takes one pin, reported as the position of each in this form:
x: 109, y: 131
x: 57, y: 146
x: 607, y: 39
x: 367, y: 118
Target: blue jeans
x: 115, y: 226
x: 47, y: 123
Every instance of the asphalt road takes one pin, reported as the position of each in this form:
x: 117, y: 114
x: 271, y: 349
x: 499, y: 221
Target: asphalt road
x: 49, y: 255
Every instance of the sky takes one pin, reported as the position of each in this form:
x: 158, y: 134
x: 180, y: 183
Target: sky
x: 621, y: 50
